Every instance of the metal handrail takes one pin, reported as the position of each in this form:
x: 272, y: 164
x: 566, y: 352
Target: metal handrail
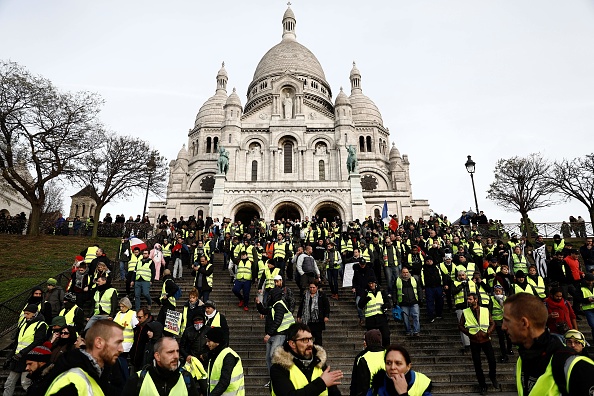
x: 10, y: 309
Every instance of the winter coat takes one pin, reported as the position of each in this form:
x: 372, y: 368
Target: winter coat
x: 284, y: 359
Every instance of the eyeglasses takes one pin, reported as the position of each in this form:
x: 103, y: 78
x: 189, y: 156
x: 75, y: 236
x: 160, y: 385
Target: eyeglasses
x: 56, y: 330
x: 306, y: 340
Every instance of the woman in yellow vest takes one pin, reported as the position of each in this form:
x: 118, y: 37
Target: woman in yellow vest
x: 398, y: 378
x: 126, y: 318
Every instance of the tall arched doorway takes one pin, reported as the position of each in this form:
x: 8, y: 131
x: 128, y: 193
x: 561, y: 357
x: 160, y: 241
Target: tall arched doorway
x: 246, y: 213
x: 287, y: 210
x: 329, y: 211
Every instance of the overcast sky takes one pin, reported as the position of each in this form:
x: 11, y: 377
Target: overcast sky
x: 491, y: 79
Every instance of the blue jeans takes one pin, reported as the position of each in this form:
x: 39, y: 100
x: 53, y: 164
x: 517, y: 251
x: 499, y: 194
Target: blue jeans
x: 244, y: 286
x: 434, y: 297
x: 391, y: 276
x: 123, y: 270
x: 142, y: 288
x: 411, y: 316
x: 359, y: 310
x: 273, y: 343
x: 204, y: 294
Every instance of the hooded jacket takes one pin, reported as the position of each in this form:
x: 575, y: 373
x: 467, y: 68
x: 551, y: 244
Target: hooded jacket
x: 284, y: 359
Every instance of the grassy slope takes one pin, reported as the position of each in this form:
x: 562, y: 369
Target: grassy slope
x: 27, y: 261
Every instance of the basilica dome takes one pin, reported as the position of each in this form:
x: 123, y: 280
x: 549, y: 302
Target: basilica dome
x: 292, y: 56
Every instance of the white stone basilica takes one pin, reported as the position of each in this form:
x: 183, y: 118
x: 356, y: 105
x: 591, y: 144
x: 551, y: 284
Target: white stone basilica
x: 288, y: 148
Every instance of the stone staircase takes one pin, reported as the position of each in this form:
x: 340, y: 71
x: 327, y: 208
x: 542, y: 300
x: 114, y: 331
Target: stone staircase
x: 436, y: 353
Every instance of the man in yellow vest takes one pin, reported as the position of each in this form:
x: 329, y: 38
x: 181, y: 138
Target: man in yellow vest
x: 289, y: 372
x: 143, y: 279
x: 225, y: 371
x: 545, y: 365
x: 83, y: 368
x: 164, y: 376
x: 106, y: 302
x: 374, y: 303
x: 72, y: 313
x: 367, y: 363
x: 247, y: 271
x: 476, y: 322
x: 30, y: 333
x: 278, y: 320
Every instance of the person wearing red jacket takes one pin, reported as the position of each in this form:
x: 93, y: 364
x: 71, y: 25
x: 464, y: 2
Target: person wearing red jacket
x: 561, y: 315
x: 574, y: 265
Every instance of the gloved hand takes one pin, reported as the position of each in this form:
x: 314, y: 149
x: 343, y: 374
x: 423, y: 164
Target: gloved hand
x: 16, y: 357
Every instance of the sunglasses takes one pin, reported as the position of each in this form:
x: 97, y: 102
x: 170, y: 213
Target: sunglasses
x: 65, y: 332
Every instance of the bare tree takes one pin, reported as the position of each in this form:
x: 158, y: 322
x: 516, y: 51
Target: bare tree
x: 43, y: 133
x: 575, y: 179
x: 521, y: 184
x: 119, y: 168
x: 54, y: 197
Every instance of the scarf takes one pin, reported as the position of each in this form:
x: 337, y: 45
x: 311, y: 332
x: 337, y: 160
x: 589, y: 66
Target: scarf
x: 311, y: 310
x: 211, y: 315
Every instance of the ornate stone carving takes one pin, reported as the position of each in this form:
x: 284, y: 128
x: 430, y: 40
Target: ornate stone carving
x: 369, y: 183
x: 207, y: 183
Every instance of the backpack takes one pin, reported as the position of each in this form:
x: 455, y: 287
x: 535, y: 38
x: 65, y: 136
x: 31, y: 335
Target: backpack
x: 178, y: 293
x: 397, y: 313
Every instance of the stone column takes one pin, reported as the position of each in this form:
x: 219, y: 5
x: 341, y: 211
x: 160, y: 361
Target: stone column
x: 357, y: 201
x: 218, y: 197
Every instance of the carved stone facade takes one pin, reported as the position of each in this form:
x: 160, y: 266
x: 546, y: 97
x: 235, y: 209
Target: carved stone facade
x: 288, y: 148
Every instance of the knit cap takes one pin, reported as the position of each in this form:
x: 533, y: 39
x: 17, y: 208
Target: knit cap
x: 41, y: 353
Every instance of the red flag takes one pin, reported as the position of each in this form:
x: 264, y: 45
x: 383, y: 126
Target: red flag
x: 393, y: 224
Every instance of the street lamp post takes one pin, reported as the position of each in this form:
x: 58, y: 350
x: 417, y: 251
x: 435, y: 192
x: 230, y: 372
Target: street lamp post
x: 470, y: 165
x: 151, y: 167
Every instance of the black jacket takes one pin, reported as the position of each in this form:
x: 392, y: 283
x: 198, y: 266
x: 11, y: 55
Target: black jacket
x: 323, y: 308
x: 164, y: 381
x: 273, y: 322
x: 361, y: 378
x: 140, y: 340
x: 282, y: 361
x: 229, y: 363
x: 82, y: 360
x: 38, y: 339
x: 193, y: 342
x: 361, y: 276
x: 536, y: 359
x: 372, y: 322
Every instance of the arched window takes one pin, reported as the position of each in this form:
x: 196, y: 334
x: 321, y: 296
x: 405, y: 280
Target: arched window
x: 76, y: 210
x: 369, y: 143
x: 288, y: 159
x: 208, y: 144
x: 215, y: 144
x: 201, y: 213
x: 92, y: 210
x: 361, y: 144
x: 254, y: 170
x: 83, y: 211
x: 376, y: 214
x: 322, y: 170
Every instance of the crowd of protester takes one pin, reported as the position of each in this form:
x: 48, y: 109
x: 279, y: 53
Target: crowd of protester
x: 294, y: 267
